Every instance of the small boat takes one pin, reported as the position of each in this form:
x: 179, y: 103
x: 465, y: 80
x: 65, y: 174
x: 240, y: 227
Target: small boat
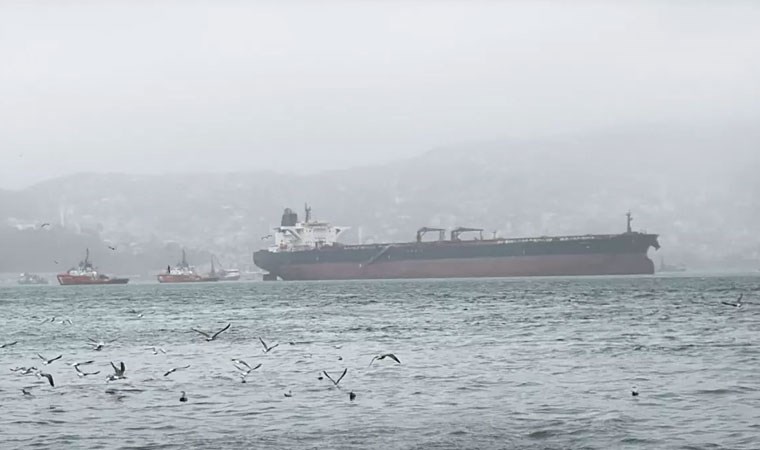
x: 184, y: 273
x: 224, y: 274
x: 30, y: 278
x: 86, y: 273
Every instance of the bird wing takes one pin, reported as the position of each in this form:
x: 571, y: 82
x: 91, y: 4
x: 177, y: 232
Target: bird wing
x: 201, y: 332
x: 221, y: 331
x: 373, y: 360
x: 169, y: 372
x: 393, y: 357
x: 42, y: 357
x: 329, y: 377
x: 49, y: 377
x: 273, y: 347
x: 242, y: 362
x: 729, y: 303
x: 342, y: 375
x: 123, y: 367
x: 9, y: 344
x: 257, y: 366
x: 263, y: 343
x: 115, y: 369
x: 55, y: 359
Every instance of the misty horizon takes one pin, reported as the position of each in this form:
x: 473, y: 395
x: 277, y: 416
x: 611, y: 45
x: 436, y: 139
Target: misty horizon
x: 301, y: 88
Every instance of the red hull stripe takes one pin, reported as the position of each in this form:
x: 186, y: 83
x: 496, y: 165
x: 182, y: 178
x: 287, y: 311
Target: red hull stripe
x: 523, y: 266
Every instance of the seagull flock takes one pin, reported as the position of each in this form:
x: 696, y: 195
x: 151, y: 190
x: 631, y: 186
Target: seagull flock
x: 119, y: 370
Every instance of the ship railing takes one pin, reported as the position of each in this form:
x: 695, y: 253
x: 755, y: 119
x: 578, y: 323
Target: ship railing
x: 386, y: 246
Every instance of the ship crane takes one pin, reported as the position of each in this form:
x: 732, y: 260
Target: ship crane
x: 457, y: 231
x: 421, y: 232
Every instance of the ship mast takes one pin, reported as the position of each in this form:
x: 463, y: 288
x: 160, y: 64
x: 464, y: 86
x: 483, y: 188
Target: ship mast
x: 629, y: 219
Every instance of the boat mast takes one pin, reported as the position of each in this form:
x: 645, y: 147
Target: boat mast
x: 629, y: 219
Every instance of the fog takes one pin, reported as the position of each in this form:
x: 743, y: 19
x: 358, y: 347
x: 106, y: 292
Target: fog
x: 158, y: 87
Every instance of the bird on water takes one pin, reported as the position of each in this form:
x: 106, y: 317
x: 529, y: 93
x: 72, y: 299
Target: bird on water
x: 183, y: 397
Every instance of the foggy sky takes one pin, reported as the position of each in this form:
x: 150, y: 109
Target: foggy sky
x: 152, y: 87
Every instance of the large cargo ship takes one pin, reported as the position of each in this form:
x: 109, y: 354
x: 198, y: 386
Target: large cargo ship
x: 86, y: 273
x: 184, y: 273
x: 310, y: 250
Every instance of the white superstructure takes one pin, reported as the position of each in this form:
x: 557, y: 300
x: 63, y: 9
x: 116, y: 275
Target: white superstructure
x: 293, y: 235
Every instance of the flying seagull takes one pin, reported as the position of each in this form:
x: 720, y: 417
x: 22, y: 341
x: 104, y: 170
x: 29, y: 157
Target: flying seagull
x: 84, y: 374
x: 118, y: 372
x: 209, y: 337
x: 26, y: 392
x: 635, y: 391
x: 339, y: 378
x: 46, y: 224
x: 264, y: 238
x: 289, y: 394
x: 176, y: 369
x: 159, y: 349
x: 383, y: 356
x: 112, y: 247
x: 9, y: 344
x: 351, y: 396
x: 48, y: 376
x: 267, y: 348
x: 183, y: 397
x: 24, y: 370
x: 48, y: 361
x: 738, y: 303
x: 244, y: 372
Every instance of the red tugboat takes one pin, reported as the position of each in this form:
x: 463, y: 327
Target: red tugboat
x: 184, y: 273
x: 87, y: 274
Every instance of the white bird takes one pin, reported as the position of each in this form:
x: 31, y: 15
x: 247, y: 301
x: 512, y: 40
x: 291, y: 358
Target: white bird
x: 267, y: 348
x: 339, y: 378
x: 383, y: 356
x: 171, y: 371
x: 244, y: 372
x: 210, y: 337
x: 118, y: 372
x: 84, y: 374
x: 156, y: 350
x: 48, y: 361
x: 24, y: 370
x: 98, y: 345
x: 738, y: 303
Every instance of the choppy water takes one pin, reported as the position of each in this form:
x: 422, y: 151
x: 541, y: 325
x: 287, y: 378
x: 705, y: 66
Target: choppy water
x: 521, y: 363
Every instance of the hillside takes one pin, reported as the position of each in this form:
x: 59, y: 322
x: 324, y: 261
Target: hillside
x: 702, y: 198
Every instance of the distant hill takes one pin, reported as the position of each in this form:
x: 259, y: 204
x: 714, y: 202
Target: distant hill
x: 701, y: 196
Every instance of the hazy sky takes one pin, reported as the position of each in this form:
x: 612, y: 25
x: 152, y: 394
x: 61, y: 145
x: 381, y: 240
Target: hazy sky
x: 151, y: 87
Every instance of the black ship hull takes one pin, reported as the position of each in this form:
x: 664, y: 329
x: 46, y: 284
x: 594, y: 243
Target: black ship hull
x: 622, y: 254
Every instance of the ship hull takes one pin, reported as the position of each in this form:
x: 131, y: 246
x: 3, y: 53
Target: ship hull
x: 70, y: 280
x: 624, y: 254
x: 523, y: 266
x: 167, y: 278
